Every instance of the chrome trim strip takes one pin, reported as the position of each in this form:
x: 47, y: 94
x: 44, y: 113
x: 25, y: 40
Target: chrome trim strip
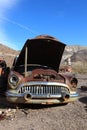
x: 46, y: 96
x: 42, y: 83
x: 10, y: 94
x: 74, y: 95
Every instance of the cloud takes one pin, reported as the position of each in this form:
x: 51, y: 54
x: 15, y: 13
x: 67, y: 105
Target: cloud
x: 5, y: 5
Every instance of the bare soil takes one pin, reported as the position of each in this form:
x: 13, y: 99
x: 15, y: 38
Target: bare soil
x: 72, y: 116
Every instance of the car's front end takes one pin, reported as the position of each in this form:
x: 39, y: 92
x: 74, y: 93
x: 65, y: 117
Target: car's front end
x: 41, y: 86
x: 34, y: 77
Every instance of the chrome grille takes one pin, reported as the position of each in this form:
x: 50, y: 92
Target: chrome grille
x: 42, y: 89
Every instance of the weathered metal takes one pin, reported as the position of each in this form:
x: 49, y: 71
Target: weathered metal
x: 34, y: 78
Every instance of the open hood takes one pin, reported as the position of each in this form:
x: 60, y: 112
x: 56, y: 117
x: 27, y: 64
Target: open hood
x: 43, y: 50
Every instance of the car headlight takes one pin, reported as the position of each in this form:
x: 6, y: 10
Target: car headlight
x: 74, y: 82
x: 13, y: 80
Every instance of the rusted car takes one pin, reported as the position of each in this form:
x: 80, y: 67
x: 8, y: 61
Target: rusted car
x: 4, y: 70
x: 35, y: 77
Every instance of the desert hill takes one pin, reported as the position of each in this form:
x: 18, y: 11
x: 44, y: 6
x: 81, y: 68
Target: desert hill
x: 76, y: 53
x: 8, y: 54
x: 80, y: 56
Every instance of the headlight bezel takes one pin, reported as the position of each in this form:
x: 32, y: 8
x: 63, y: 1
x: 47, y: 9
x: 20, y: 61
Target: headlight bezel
x: 13, y: 81
x: 74, y: 82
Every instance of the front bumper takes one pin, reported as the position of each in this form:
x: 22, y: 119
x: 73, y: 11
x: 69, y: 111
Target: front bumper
x: 34, y: 99
x: 41, y: 93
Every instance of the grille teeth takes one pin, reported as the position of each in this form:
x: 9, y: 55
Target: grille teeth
x: 43, y: 89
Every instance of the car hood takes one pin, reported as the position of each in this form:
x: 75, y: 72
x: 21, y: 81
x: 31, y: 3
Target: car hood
x: 43, y: 50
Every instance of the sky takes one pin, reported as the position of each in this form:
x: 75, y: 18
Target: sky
x: 65, y: 20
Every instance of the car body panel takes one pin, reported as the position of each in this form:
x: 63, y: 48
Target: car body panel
x: 45, y: 51
x: 4, y: 70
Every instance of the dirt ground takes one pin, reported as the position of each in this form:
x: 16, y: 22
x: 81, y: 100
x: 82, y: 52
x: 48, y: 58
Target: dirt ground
x: 72, y: 116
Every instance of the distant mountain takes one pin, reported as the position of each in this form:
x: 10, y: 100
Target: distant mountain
x: 75, y: 48
x: 80, y: 55
x: 76, y: 53
x: 8, y: 54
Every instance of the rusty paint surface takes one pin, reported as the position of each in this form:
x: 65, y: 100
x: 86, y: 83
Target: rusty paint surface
x: 41, y: 83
